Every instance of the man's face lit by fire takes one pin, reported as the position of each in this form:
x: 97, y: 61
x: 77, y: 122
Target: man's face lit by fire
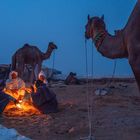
x: 13, y: 76
x: 41, y: 77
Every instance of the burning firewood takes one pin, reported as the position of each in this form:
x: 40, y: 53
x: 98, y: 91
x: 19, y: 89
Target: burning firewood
x: 23, y: 104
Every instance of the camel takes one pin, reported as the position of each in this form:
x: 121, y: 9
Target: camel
x: 29, y: 59
x: 71, y: 79
x: 124, y: 44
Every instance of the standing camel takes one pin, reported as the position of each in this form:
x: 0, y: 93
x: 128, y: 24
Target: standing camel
x: 30, y: 56
x: 124, y: 44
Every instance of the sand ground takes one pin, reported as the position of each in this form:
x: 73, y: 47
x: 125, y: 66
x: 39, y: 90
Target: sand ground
x: 116, y: 116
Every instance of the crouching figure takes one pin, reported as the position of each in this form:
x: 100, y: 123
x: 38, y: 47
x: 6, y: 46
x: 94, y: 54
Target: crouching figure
x: 44, y: 99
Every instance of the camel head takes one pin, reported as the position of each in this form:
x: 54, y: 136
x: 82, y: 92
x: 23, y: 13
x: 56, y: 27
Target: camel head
x: 94, y: 26
x: 52, y: 45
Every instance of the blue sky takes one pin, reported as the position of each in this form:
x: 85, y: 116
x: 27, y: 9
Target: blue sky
x: 62, y: 21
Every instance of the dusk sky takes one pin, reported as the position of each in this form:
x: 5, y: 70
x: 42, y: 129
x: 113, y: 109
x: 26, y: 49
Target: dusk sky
x: 38, y: 22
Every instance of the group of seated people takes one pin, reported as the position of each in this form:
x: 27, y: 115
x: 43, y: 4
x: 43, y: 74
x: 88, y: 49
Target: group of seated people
x: 42, y: 97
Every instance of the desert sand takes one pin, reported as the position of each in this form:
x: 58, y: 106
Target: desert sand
x: 116, y: 116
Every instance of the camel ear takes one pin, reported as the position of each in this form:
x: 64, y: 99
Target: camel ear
x: 88, y: 17
x: 102, y: 17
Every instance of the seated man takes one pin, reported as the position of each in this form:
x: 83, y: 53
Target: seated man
x: 15, y: 86
x: 44, y: 99
x: 42, y: 77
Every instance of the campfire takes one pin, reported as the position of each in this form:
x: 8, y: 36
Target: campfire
x: 23, y: 107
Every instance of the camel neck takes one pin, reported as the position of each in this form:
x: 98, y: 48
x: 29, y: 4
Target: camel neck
x: 113, y: 46
x: 48, y: 53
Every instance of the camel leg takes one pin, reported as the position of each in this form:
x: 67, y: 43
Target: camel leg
x: 39, y: 67
x: 32, y: 75
x: 135, y: 65
x: 36, y: 71
x: 136, y: 72
x: 20, y: 69
x: 134, y: 60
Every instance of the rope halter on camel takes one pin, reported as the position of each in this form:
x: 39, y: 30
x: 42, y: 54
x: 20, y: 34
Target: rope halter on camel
x: 99, y: 38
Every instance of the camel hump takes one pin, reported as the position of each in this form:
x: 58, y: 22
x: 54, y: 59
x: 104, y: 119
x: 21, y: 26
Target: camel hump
x: 26, y: 45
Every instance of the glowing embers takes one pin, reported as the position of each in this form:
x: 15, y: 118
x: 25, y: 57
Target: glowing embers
x: 19, y: 105
x: 20, y: 109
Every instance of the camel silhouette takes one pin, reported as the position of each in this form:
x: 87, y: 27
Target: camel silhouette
x: 31, y: 58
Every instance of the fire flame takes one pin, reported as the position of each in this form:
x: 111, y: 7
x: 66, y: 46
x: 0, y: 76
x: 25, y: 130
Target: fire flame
x: 19, y: 106
x: 23, y: 106
x: 20, y: 101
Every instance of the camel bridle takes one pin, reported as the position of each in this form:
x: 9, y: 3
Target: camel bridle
x: 98, y: 37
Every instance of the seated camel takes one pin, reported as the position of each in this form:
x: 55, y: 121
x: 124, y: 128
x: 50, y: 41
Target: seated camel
x: 71, y: 79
